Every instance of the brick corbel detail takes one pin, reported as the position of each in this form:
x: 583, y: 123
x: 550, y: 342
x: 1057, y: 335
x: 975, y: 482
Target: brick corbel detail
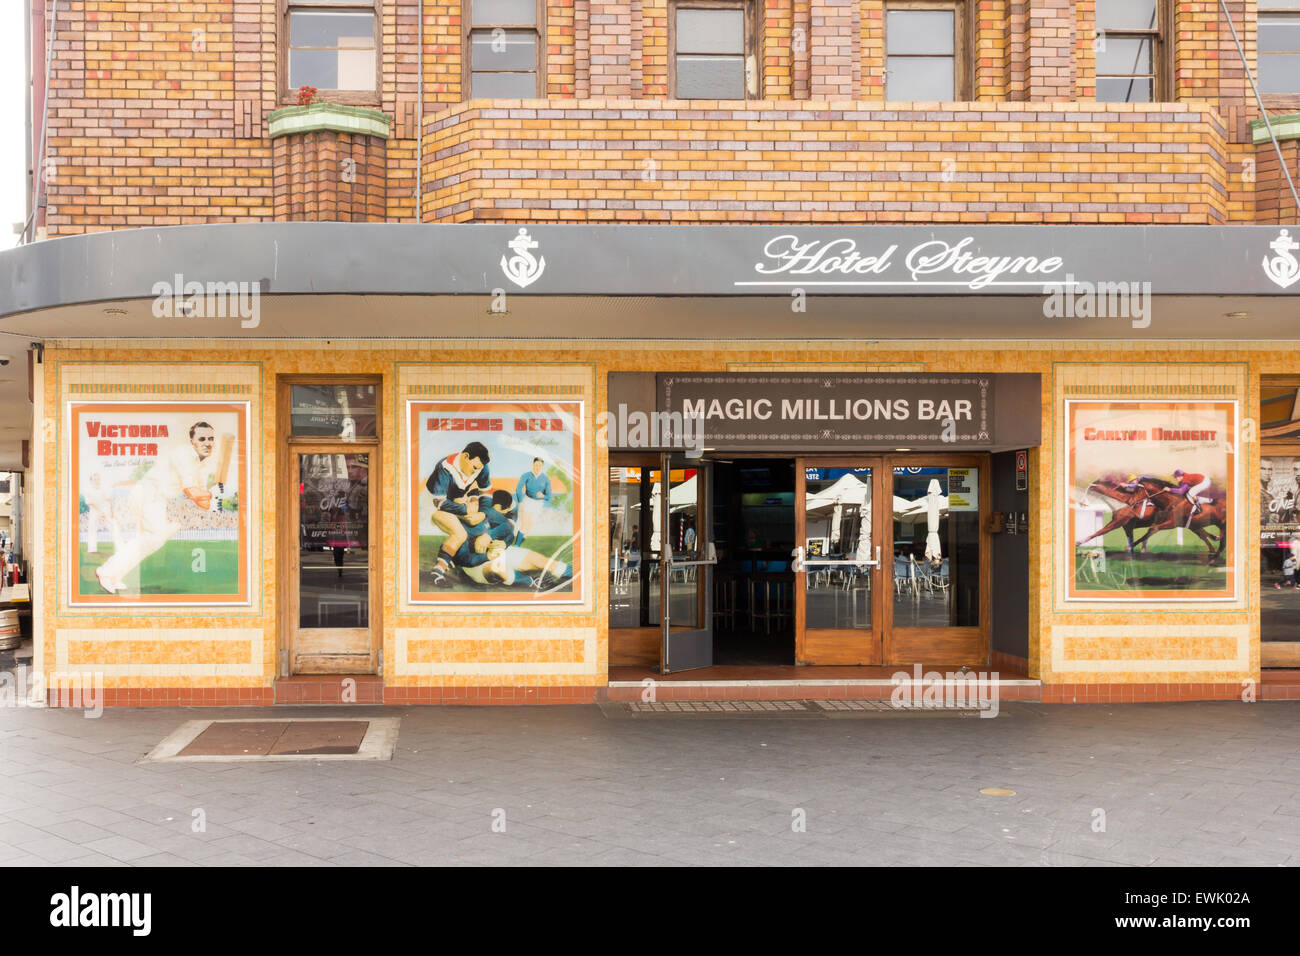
x: 329, y: 176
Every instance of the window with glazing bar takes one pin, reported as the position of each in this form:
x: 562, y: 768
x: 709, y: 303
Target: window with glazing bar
x: 505, y: 52
x: 333, y: 47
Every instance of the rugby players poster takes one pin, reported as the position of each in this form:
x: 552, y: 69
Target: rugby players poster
x: 495, y: 502
x: 1152, y: 499
x: 156, y: 512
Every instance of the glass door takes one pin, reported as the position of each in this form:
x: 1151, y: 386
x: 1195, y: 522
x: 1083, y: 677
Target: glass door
x: 689, y: 558
x: 332, y: 564
x: 1279, y: 555
x: 837, y: 562
x: 938, y: 589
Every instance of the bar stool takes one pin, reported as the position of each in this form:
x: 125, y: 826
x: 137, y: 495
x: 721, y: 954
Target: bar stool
x: 758, y: 592
x: 783, y: 612
x: 724, y: 601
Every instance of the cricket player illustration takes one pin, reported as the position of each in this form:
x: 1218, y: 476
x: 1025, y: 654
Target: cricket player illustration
x: 533, y: 494
x: 496, y: 554
x: 190, y: 470
x: 454, y: 481
x: 100, y: 514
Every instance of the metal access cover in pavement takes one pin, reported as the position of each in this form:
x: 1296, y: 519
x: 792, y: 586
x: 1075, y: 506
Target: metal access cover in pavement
x: 304, y: 738
x: 781, y: 708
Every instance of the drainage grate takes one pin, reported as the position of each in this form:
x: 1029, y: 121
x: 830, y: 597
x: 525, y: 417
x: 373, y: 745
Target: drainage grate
x: 264, y: 737
x: 313, y: 738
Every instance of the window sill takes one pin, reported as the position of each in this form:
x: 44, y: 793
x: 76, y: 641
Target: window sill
x: 1282, y: 101
x: 343, y: 97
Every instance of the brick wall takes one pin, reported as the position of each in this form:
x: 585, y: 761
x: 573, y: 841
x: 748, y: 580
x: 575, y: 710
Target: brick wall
x: 158, y: 117
x: 330, y: 177
x: 619, y: 161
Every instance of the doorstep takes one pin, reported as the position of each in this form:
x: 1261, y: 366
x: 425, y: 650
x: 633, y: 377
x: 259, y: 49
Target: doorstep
x: 875, y: 688
x: 330, y: 689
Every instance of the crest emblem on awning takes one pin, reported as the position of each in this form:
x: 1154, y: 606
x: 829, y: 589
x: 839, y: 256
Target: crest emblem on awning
x: 523, y: 268
x: 1283, y: 268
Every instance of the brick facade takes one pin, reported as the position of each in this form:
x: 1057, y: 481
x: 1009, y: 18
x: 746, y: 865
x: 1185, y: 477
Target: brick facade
x: 158, y: 117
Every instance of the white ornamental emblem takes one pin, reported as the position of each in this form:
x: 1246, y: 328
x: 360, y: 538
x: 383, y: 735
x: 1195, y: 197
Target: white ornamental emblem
x: 1283, y: 268
x: 523, y: 268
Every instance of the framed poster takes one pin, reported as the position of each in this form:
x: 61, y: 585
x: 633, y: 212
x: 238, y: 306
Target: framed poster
x: 155, y: 514
x: 1152, y: 501
x: 495, y: 502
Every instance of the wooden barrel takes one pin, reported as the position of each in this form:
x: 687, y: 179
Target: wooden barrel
x: 10, y: 633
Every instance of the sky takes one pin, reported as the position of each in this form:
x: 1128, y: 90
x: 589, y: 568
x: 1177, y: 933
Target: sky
x: 13, y: 97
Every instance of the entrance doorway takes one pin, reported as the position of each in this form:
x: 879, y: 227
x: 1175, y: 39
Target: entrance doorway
x: 330, y: 472
x: 753, y: 562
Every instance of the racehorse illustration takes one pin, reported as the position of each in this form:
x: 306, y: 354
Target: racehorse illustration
x: 1155, y: 506
x: 1137, y: 510
x: 1176, y: 512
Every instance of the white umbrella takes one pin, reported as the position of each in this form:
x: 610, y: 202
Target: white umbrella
x: 933, y: 497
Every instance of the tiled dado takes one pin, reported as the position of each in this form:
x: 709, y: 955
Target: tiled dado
x: 169, y: 697
x: 497, y: 696
x: 1140, y: 693
x: 539, y: 653
x: 144, y: 653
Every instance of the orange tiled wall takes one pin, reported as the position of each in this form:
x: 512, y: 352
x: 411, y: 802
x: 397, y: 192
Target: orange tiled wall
x: 1069, y: 644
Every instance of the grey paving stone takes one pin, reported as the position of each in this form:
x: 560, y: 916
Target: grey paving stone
x: 1185, y: 784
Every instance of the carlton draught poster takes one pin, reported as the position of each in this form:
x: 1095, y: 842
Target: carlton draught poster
x: 157, y: 513
x: 1152, y: 500
x: 495, y: 502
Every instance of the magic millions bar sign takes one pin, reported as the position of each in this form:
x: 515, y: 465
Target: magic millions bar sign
x: 819, y: 411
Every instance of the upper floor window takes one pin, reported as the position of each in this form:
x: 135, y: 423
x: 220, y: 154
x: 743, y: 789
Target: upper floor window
x: 924, y: 52
x: 713, y: 46
x: 1130, y: 51
x: 1279, y: 46
x: 333, y: 47
x: 506, y: 53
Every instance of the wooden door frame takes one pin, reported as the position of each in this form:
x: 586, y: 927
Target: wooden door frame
x: 634, y: 642
x: 1274, y: 653
x: 982, y: 461
x: 877, y: 463
x: 289, y: 449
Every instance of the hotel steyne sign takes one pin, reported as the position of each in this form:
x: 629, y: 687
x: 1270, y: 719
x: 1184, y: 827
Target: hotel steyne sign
x: 818, y: 411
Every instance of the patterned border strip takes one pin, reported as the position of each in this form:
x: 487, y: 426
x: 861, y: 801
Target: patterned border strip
x: 159, y: 389
x: 492, y: 390
x: 1189, y: 391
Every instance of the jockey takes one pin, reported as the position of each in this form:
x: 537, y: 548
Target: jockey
x: 1192, y: 484
x: 1132, y: 484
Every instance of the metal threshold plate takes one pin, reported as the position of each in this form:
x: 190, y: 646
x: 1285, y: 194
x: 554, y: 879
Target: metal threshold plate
x: 802, y: 709
x: 308, y: 738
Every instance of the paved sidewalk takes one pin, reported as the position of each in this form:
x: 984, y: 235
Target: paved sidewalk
x: 1180, y: 784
